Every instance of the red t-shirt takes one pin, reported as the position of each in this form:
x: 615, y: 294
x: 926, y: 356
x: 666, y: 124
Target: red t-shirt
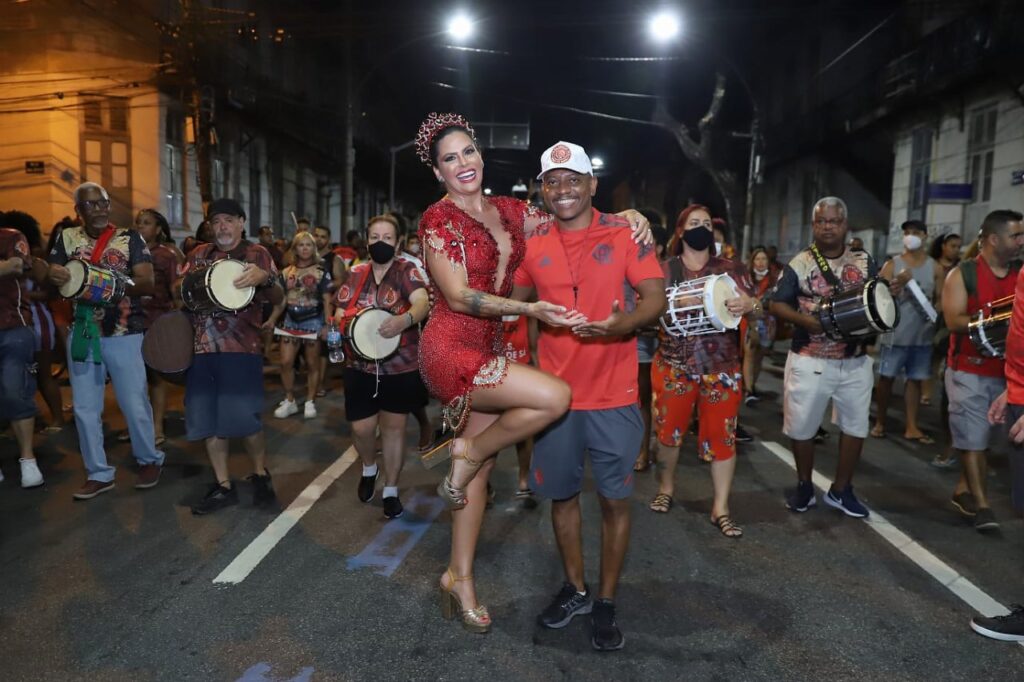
x: 963, y: 356
x: 1015, y: 347
x: 605, y: 265
x: 14, y: 303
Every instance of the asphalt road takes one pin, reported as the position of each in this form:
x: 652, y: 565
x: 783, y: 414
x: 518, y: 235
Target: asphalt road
x: 122, y: 587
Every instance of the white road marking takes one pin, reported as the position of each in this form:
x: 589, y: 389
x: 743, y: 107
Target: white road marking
x: 239, y: 569
x: 931, y: 564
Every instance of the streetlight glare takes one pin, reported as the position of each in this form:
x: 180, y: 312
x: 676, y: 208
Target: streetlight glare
x: 460, y: 27
x: 664, y: 26
x: 597, y: 162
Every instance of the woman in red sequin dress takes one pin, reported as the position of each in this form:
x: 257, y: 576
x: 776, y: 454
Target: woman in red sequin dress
x: 472, y: 246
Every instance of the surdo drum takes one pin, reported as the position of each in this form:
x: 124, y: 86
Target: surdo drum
x: 988, y: 332
x: 697, y: 306
x: 364, y: 337
x: 91, y: 284
x: 862, y: 310
x: 212, y: 289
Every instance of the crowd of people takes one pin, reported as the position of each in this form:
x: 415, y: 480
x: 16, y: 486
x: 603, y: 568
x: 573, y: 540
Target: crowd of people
x: 501, y: 311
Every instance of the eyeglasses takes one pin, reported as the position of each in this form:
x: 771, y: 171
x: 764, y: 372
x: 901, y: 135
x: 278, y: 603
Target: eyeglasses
x: 831, y: 222
x: 93, y: 204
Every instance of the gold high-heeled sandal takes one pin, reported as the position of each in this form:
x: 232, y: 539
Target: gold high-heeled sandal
x: 455, y: 498
x: 474, y: 620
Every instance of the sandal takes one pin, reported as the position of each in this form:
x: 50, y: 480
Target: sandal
x: 475, y: 620
x: 455, y: 498
x: 877, y: 432
x: 923, y: 439
x: 726, y: 526
x: 436, y: 452
x: 661, y: 503
x: 642, y: 464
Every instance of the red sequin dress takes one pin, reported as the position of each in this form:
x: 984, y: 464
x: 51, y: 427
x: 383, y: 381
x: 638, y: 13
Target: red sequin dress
x: 460, y: 352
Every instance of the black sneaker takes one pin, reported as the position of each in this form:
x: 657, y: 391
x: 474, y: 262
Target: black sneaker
x: 984, y: 519
x: 751, y: 399
x: 1008, y: 628
x: 802, y: 499
x: 366, y: 487
x: 606, y: 635
x: 567, y: 604
x: 742, y: 436
x: 822, y: 435
x: 393, y: 507
x: 217, y: 498
x: 263, y: 494
x: 964, y: 503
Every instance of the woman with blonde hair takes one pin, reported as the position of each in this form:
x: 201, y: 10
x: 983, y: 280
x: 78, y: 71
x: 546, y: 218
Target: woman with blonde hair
x: 303, y: 312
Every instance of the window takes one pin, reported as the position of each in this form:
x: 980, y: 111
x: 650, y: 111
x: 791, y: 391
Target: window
x: 981, y: 140
x: 174, y: 194
x: 93, y: 113
x: 920, y: 172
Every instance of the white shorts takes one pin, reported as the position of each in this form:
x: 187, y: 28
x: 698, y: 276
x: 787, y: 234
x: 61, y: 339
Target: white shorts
x: 810, y: 382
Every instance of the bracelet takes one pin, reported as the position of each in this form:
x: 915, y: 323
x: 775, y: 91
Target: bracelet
x: 412, y: 320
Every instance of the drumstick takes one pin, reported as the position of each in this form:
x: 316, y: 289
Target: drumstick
x: 294, y: 220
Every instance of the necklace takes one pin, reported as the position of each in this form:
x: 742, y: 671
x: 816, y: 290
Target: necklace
x: 574, y: 276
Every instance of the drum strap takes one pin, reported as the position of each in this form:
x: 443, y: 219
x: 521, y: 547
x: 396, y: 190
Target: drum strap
x: 826, y: 271
x: 85, y: 335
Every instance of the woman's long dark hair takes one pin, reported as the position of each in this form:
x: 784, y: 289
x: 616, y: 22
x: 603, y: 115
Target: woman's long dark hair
x: 164, y: 237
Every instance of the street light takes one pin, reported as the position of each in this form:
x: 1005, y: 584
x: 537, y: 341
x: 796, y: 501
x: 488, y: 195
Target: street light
x: 664, y: 26
x: 597, y: 162
x: 460, y: 27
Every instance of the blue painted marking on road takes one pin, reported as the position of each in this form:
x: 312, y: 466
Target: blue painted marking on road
x: 259, y: 673
x: 390, y: 546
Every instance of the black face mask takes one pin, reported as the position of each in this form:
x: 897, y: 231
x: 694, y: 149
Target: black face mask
x: 699, y: 238
x: 381, y: 252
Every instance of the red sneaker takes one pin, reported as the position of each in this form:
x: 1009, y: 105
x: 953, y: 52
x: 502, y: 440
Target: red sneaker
x: 149, y: 476
x: 93, y: 488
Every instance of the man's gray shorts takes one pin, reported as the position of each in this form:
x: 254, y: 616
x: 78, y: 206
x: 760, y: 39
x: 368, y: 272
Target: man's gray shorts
x: 612, y: 437
x: 970, y: 396
x: 1014, y: 413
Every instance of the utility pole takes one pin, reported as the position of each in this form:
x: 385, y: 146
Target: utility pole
x: 347, y: 198
x: 202, y: 104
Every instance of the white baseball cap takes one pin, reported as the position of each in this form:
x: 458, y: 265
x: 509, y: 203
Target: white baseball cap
x: 565, y: 155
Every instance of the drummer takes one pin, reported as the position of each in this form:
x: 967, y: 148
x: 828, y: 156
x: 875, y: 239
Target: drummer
x: 224, y: 386
x: 701, y: 371
x: 818, y: 368
x: 973, y: 382
x: 107, y: 340
x: 384, y: 391
x: 302, y: 314
x: 154, y: 228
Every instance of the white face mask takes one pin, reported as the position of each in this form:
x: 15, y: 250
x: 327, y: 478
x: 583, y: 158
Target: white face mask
x: 760, y: 273
x: 912, y: 242
x: 718, y: 248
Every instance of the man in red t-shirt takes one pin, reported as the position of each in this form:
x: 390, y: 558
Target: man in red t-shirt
x: 587, y: 261
x: 1010, y: 627
x: 974, y: 381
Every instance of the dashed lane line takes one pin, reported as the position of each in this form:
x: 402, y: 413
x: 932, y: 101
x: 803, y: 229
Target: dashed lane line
x: 257, y: 550
x: 956, y: 583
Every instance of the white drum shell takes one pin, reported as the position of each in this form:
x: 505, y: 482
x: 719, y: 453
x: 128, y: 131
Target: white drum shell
x: 220, y: 281
x: 697, y: 306
x: 365, y: 337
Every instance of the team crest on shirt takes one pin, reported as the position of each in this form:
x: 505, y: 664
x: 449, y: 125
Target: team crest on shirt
x: 390, y: 298
x: 603, y: 253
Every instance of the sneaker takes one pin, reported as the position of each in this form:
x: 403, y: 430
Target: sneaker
x: 606, y: 635
x: 567, y: 604
x: 742, y: 436
x: 846, y: 502
x: 751, y: 399
x: 285, y: 409
x: 802, y: 498
x: 1008, y: 628
x: 822, y: 435
x: 31, y: 477
x: 309, y: 411
x: 93, y: 488
x: 393, y: 507
x: 984, y: 519
x: 218, y: 497
x: 965, y: 504
x: 149, y: 476
x: 263, y: 494
x: 367, y: 484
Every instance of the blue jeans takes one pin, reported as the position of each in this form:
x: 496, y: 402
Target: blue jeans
x: 17, y: 375
x: 122, y: 359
